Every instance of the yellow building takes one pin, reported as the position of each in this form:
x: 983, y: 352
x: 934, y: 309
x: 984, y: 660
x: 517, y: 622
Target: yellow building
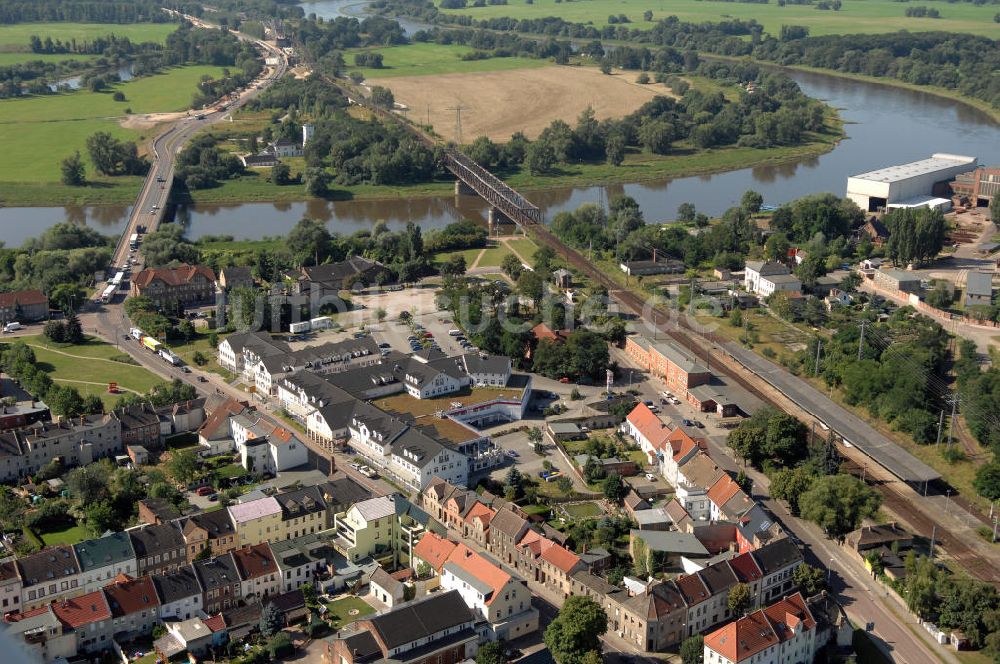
x: 257, y: 521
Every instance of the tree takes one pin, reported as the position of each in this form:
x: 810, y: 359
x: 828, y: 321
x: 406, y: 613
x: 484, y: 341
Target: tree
x: 454, y: 266
x: 318, y: 181
x: 941, y: 296
x: 531, y: 286
x: 810, y: 580
x: 693, y: 650
x: 309, y: 239
x: 686, y: 212
x: 491, y: 653
x: 74, y: 173
x: 751, y: 201
x: 541, y: 157
x: 281, y: 174
x: 183, y: 465
x: 739, y: 599
x: 915, y: 234
x: 64, y: 401
x: 647, y: 15
x: 789, y: 484
x: 577, y: 630
x: 382, y: 97
x: 987, y: 480
x: 656, y: 136
x: 995, y: 203
x: 565, y: 485
x: 511, y: 266
x: 839, y: 503
x: 199, y: 358
x: 54, y: 331
x: 74, y: 330
x: 67, y: 297
x: 614, y: 149
x: 615, y: 488
x: 100, y: 517
x: 271, y: 620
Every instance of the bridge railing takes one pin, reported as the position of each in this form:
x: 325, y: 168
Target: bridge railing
x: 493, y: 189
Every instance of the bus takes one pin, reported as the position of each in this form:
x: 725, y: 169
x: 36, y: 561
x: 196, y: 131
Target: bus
x: 108, y: 293
x: 134, y: 240
x: 117, y: 279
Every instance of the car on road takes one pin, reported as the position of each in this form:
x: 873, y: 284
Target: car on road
x: 512, y: 454
x: 186, y: 369
x: 564, y: 380
x: 698, y: 424
x: 202, y: 379
x: 384, y: 345
x: 213, y: 497
x: 651, y: 477
x: 686, y: 422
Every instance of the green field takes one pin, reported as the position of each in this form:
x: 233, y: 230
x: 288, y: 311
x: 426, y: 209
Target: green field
x: 870, y: 16
x: 17, y: 36
x: 8, y: 59
x: 38, y: 132
x: 89, y: 368
x: 68, y: 536
x: 425, y: 59
x: 340, y: 610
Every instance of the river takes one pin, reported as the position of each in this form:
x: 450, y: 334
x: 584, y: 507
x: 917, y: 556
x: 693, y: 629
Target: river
x: 884, y: 125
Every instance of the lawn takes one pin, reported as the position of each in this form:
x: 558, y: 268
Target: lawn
x: 69, y: 535
x: 469, y: 255
x: 583, y: 510
x: 38, y: 132
x: 8, y: 59
x: 426, y: 59
x: 187, y: 349
x: 230, y: 471
x: 88, y: 367
x: 856, y: 16
x: 524, y: 247
x: 17, y: 36
x: 340, y: 610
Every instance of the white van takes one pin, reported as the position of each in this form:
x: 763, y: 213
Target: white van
x: 12, y: 327
x: 454, y: 333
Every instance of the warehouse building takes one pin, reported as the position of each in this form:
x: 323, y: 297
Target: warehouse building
x: 921, y: 183
x: 980, y: 186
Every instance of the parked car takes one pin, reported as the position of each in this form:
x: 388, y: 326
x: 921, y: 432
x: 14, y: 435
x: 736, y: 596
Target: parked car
x: 512, y: 454
x: 651, y: 477
x: 564, y: 379
x: 214, y: 497
x: 186, y: 369
x: 205, y: 491
x: 687, y: 422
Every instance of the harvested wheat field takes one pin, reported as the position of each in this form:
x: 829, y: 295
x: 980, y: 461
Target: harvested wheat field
x: 499, y: 104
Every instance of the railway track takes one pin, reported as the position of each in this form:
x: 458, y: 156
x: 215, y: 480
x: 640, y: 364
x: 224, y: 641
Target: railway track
x: 893, y: 497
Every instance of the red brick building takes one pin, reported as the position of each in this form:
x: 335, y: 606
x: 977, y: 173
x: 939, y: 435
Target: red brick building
x: 678, y: 368
x: 175, y: 288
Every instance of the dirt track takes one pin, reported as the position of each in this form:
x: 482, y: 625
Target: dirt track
x: 501, y: 103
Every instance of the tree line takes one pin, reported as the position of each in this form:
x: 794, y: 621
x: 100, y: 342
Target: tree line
x: 66, y: 253
x: 959, y: 62
x: 83, y: 11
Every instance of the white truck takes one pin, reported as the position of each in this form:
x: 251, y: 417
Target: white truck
x: 12, y: 326
x: 136, y: 333
x: 169, y: 356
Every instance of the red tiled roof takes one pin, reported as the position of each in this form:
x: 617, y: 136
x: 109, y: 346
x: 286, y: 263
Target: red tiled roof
x: 723, y: 490
x: 254, y: 561
x: 561, y: 558
x: 484, y: 512
x: 127, y: 595
x: 481, y: 569
x: 22, y: 298
x: 693, y: 589
x: 788, y: 614
x: 651, y: 427
x: 543, y: 332
x: 743, y: 638
x: 745, y: 568
x: 434, y: 550
x: 172, y: 276
x: 82, y: 610
x: 220, y: 416
x: 682, y: 443
x: 215, y: 623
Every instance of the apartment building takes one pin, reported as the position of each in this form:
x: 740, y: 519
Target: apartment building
x: 78, y: 441
x: 303, y: 511
x: 781, y: 632
x: 179, y: 592
x: 49, y: 576
x: 259, y: 573
x: 256, y: 521
x: 213, y: 530
x: 158, y: 548
x: 135, y: 607
x: 103, y: 559
x: 220, y: 583
x: 175, y: 288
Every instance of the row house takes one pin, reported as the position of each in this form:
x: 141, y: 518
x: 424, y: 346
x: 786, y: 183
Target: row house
x: 89, y: 617
x: 263, y: 445
x: 158, y: 548
x: 266, y: 372
x: 653, y: 620
x: 781, y: 632
x: 135, y: 607
x: 103, y: 559
x: 175, y: 288
x: 43, y: 635
x: 234, y: 348
x: 179, y: 592
x: 304, y: 559
x: 220, y: 583
x: 141, y: 425
x: 213, y: 531
x: 10, y: 587
x: 459, y: 509
x: 49, y: 576
x: 77, y: 441
x: 303, y: 511
x: 259, y: 574
x: 256, y: 521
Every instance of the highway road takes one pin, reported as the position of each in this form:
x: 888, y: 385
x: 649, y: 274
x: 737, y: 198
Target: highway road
x: 148, y: 211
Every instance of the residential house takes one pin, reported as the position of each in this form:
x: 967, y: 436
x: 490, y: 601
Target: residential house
x: 782, y: 632
x: 175, y: 288
x: 437, y: 628
x: 90, y: 617
x: 214, y: 531
x: 216, y: 434
x: 51, y: 575
x: 256, y: 521
x: 326, y: 281
x: 507, y: 527
x: 263, y: 445
x: 875, y: 231
x: 179, y: 592
x: 159, y: 548
x: 78, y: 442
x: 683, y: 443
x: 303, y: 511
x: 432, y: 550
x: 648, y: 431
x: 368, y: 528
x: 385, y: 588
x: 697, y: 597
x: 258, y: 571
x: 235, y: 347
x: 549, y: 563
x: 766, y: 278
x: 653, y: 620
x: 23, y: 306
x: 496, y: 595
x: 10, y: 588
x: 191, y: 635
x: 307, y: 559
x: 777, y: 561
x: 236, y: 277
x: 220, y: 582
x: 664, y: 549
x: 41, y: 635
x: 103, y: 559
x: 694, y: 478
x: 135, y: 607
x: 140, y: 425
